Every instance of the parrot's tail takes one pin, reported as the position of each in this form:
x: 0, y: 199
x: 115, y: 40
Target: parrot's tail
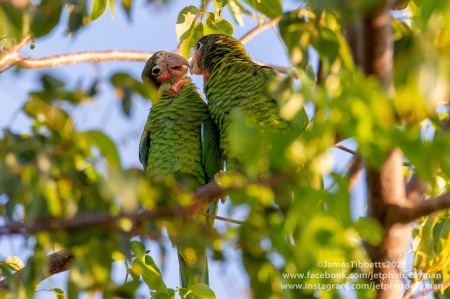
x: 193, y: 258
x: 193, y: 266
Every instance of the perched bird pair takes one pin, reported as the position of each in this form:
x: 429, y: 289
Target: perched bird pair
x: 180, y: 139
x: 185, y: 137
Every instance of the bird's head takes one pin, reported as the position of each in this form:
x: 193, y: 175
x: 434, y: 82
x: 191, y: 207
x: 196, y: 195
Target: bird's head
x: 211, y: 50
x: 165, y: 67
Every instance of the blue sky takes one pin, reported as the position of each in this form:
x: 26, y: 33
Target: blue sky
x: 151, y: 29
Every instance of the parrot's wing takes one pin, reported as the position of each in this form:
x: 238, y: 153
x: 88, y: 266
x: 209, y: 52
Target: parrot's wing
x: 212, y: 160
x: 211, y: 155
x: 144, y: 145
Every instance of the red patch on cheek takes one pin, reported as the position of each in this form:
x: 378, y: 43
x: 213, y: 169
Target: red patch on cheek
x: 164, y: 76
x: 205, y: 76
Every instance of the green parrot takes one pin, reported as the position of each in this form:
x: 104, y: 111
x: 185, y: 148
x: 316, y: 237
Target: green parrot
x: 232, y: 81
x: 180, y: 140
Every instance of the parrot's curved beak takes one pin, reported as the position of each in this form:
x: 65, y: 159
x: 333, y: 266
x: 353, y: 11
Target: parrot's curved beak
x: 177, y: 66
x: 193, y: 66
x: 177, y: 63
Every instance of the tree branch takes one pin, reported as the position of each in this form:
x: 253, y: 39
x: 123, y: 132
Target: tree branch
x: 201, y: 197
x: 72, y: 58
x: 345, y: 149
x: 11, y: 57
x: 61, y: 261
x: 57, y: 262
x: 354, y: 170
x: 421, y: 209
x: 258, y: 29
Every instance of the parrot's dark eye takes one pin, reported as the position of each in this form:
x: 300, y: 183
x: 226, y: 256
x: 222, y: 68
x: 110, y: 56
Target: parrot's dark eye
x: 156, y: 70
x: 198, y: 46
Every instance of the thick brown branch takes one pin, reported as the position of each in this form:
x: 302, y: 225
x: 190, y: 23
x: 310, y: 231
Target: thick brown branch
x: 202, y: 196
x: 385, y: 186
x: 421, y: 209
x: 13, y: 59
x: 61, y: 261
x: 57, y: 262
x: 73, y: 58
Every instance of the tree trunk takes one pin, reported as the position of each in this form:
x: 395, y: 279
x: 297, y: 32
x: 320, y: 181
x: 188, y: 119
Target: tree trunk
x: 385, y: 186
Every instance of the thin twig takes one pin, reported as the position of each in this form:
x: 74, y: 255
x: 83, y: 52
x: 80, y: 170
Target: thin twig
x: 345, y: 149
x: 223, y: 218
x: 258, y: 29
x: 354, y: 170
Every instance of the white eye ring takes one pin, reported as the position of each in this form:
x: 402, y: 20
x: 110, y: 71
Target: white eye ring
x: 156, y: 70
x: 198, y: 46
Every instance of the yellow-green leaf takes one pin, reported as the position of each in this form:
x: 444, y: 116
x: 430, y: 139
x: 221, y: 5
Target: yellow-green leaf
x: 112, y: 7
x: 191, y: 39
x: 271, y: 9
x: 14, y: 262
x: 217, y: 25
x: 59, y: 293
x: 202, y: 291
x: 185, y: 22
x: 98, y: 8
x: 105, y: 145
x: 150, y: 273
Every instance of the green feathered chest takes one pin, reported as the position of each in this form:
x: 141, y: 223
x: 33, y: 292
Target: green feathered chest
x: 175, y: 123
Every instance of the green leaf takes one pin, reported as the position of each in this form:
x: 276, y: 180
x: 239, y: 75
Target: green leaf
x: 46, y: 17
x: 112, y: 7
x: 55, y: 118
x: 59, y: 293
x: 98, y: 8
x: 237, y: 11
x: 11, y: 23
x: 126, y: 5
x: 170, y: 294
x: 370, y: 230
x: 296, y: 33
x: 401, y: 4
x: 126, y: 86
x: 138, y: 249
x: 219, y: 5
x: 185, y: 22
x: 78, y: 16
x: 126, y: 291
x: 150, y: 273
x: 105, y: 145
x: 190, y: 41
x: 270, y: 8
x: 217, y: 25
x: 202, y: 291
